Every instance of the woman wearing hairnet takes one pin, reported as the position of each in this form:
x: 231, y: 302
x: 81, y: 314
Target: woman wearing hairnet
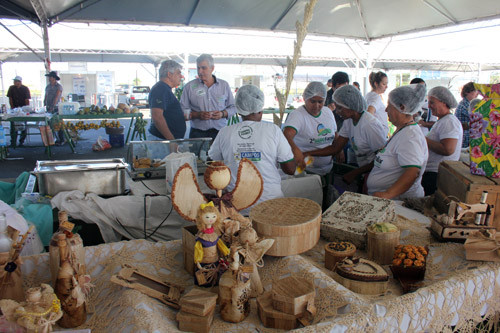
x: 376, y: 106
x: 364, y: 130
x: 310, y: 127
x: 445, y: 138
x: 261, y: 142
x: 398, y: 166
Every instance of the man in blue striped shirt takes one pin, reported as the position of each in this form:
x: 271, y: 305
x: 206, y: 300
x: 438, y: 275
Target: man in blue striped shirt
x: 208, y: 100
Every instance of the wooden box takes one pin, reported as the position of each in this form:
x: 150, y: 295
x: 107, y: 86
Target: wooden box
x: 477, y: 248
x: 188, y: 241
x: 381, y: 245
x: 333, y: 256
x: 455, y: 180
x: 292, y: 295
x: 198, y: 302
x: 362, y: 276
x: 273, y: 318
x: 189, y: 322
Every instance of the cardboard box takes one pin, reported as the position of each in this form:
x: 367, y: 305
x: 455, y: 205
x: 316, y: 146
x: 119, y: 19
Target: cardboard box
x: 483, y: 249
x: 455, y: 180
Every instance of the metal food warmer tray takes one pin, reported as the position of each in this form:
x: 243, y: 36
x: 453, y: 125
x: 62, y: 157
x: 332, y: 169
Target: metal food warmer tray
x: 102, y: 176
x: 145, y: 157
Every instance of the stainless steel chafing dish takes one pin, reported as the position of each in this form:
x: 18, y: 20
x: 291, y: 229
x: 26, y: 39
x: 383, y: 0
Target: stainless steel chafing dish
x: 103, y: 177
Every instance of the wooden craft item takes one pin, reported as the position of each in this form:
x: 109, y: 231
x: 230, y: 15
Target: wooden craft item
x: 455, y: 181
x: 361, y: 276
x: 38, y: 313
x: 198, y: 302
x: 347, y: 218
x: 273, y: 318
x: 166, y: 292
x: 381, y: 245
x: 234, y: 291
x: 249, y: 185
x: 189, y: 322
x: 292, y: 295
x: 11, y: 282
x: 337, y: 251
x: 408, y: 284
x: 75, y: 246
x: 409, y: 263
x: 68, y: 290
x: 293, y: 223
x: 483, y: 246
x: 187, y: 196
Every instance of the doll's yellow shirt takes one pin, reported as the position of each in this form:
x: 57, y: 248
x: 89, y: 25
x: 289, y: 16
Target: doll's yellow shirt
x: 198, y: 250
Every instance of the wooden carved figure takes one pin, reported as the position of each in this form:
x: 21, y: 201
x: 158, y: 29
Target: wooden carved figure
x: 68, y: 289
x: 252, y: 250
x: 207, y: 247
x: 234, y: 291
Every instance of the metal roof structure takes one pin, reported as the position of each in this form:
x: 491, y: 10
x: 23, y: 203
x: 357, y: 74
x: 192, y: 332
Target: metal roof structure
x: 133, y: 56
x: 358, y: 19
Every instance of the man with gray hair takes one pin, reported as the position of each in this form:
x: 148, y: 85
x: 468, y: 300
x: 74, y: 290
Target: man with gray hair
x: 166, y: 112
x: 208, y: 100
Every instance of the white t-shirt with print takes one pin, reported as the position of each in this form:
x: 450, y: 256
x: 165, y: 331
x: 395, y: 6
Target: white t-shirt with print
x: 407, y: 148
x: 448, y: 127
x: 314, y: 133
x: 374, y: 99
x: 366, y: 137
x: 261, y: 142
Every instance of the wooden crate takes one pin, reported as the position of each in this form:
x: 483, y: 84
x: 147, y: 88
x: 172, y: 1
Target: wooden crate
x: 455, y: 181
x: 192, y: 323
x: 188, y: 241
x: 198, y: 302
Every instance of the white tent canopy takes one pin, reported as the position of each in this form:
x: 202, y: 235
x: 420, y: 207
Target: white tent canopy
x: 358, y: 19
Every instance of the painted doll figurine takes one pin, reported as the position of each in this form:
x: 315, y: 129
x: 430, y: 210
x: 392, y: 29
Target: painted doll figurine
x: 208, y: 246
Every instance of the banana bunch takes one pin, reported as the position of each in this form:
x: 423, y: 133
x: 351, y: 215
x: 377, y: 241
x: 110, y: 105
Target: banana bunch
x: 140, y: 125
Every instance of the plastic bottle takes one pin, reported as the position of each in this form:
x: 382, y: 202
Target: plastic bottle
x: 5, y: 241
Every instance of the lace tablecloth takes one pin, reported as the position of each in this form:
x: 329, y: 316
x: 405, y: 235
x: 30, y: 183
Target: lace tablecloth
x: 458, y: 294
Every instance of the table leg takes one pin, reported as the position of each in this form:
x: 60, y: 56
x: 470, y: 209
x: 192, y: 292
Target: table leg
x: 129, y: 128
x: 68, y: 137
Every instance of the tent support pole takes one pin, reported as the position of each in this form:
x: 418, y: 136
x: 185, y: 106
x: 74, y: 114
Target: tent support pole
x: 1, y: 78
x: 46, y: 45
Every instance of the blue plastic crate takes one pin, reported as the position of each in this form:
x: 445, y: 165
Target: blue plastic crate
x: 117, y: 140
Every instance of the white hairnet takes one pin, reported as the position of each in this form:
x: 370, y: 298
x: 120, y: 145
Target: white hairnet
x: 473, y: 104
x: 410, y: 96
x: 314, y: 88
x: 350, y: 97
x: 444, y: 95
x: 249, y: 99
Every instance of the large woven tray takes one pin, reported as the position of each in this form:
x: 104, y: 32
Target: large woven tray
x: 294, y: 224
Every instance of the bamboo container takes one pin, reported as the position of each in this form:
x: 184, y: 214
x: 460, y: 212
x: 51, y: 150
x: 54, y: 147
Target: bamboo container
x: 332, y: 256
x: 381, y: 245
x: 293, y: 223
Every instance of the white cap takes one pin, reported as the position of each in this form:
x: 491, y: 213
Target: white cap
x: 18, y: 78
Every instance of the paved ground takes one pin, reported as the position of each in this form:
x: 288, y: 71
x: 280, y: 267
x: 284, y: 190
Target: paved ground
x: 24, y: 158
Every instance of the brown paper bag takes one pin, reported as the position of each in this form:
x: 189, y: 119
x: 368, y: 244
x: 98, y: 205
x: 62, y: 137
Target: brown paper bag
x: 11, y: 284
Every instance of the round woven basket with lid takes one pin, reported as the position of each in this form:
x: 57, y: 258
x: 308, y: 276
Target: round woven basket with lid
x: 293, y: 223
